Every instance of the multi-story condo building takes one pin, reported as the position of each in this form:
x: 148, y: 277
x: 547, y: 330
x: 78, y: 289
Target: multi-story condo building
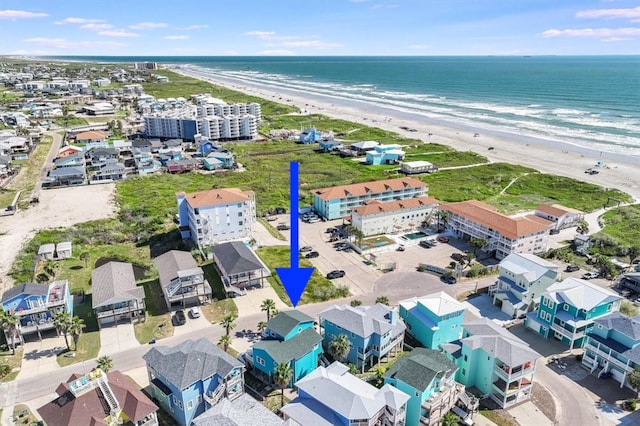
x: 560, y: 217
x: 503, y: 234
x: 209, y: 217
x: 337, y: 201
x: 568, y: 309
x: 333, y: 397
x: 613, y: 346
x: 495, y: 361
x: 375, y: 217
x: 521, y: 280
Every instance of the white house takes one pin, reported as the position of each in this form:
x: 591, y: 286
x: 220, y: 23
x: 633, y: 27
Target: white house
x: 216, y: 215
x: 376, y: 217
x: 415, y: 167
x: 101, y: 81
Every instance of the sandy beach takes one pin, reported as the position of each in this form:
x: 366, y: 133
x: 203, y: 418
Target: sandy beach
x: 546, y: 156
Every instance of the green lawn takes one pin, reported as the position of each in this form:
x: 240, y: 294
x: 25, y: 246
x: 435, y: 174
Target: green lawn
x: 89, y: 343
x: 221, y: 305
x: 158, y: 320
x: 449, y: 159
x: 621, y: 231
x: 13, y: 361
x: 497, y: 418
x: 319, y: 288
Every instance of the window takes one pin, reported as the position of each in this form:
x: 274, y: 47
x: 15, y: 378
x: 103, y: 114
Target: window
x: 190, y: 405
x: 466, y: 358
x: 239, y: 214
x: 464, y: 372
x: 199, y: 400
x: 608, y: 307
x: 240, y: 223
x: 565, y: 307
x: 180, y: 404
x: 175, y: 400
x: 260, y: 361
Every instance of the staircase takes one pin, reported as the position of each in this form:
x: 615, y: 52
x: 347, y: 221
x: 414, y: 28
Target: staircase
x: 469, y: 401
x: 173, y: 288
x: 114, y: 406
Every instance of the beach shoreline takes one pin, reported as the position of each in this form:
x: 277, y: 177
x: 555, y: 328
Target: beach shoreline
x: 547, y: 156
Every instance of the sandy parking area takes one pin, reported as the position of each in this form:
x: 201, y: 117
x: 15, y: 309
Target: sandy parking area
x: 57, y: 208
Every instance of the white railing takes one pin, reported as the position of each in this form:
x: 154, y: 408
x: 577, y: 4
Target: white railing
x: 609, y: 357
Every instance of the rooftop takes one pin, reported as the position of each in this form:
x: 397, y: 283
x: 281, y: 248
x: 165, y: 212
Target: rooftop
x: 374, y: 187
x: 439, y: 303
x: 286, y: 321
x: 372, y: 207
x: 580, y: 294
x: 364, y: 320
x: 112, y: 283
x: 236, y: 258
x: 556, y: 209
x: 294, y: 348
x: 530, y: 266
x: 214, y: 197
x: 172, y: 262
x: 420, y: 367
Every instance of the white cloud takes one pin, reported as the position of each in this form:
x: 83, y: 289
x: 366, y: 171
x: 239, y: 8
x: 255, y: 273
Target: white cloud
x: 24, y: 52
x: 610, y: 13
x: 175, y: 37
x: 96, y: 27
x: 196, y: 27
x: 615, y: 39
x: 312, y: 43
x: 78, y: 21
x: 118, y: 33
x: 20, y: 14
x: 61, y: 43
x: 419, y: 46
x: 148, y: 25
x: 592, y: 32
x: 276, y: 52
x: 261, y: 34
x: 231, y: 53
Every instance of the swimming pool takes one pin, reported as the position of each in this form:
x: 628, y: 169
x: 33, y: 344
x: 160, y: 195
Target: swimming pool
x: 414, y: 236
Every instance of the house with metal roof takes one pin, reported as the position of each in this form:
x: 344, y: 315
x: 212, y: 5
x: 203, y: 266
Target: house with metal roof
x: 67, y: 176
x: 522, y: 278
x: 99, y: 398
x: 427, y: 376
x: 493, y: 360
x: 191, y: 377
x: 115, y: 295
x: 568, y: 309
x: 385, y: 154
x: 239, y: 267
x: 332, y: 396
x: 290, y: 338
x: 374, y: 331
x: 433, y: 319
x: 613, y: 347
x: 181, y: 279
x: 242, y: 411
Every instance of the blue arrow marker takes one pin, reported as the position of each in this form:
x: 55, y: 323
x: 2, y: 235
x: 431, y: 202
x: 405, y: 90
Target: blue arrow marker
x: 294, y: 279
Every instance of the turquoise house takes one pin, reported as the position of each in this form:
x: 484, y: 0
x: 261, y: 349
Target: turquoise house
x: 613, y: 346
x: 290, y: 337
x: 310, y: 135
x: 568, y: 309
x: 427, y: 376
x: 385, y: 154
x: 433, y: 319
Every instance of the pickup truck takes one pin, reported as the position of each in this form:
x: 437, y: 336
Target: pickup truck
x: 590, y: 275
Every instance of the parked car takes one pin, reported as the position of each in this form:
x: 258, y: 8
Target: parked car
x: 554, y: 232
x: 271, y: 218
x: 312, y: 254
x: 400, y: 248
x: 590, y: 275
x: 306, y: 248
x: 449, y: 279
x: 282, y: 227
x: 314, y: 220
x: 330, y: 230
x: 335, y: 274
x: 458, y: 257
x: 572, y: 268
x: 181, y: 319
x: 194, y: 312
x: 425, y: 244
x: 442, y: 239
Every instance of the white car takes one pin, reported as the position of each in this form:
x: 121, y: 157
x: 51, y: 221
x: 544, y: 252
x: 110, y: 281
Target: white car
x: 194, y: 312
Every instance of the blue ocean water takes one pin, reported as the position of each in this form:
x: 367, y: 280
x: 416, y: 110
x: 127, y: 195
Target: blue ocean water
x: 591, y: 101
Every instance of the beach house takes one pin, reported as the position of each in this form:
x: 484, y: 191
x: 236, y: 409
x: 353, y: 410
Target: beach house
x: 290, y: 338
x: 191, y: 377
x: 115, y: 296
x: 493, y: 360
x: 568, y: 309
x: 560, y: 217
x: 309, y: 135
x: 244, y: 410
x: 373, y: 331
x: 337, y: 201
x: 332, y: 396
x: 521, y: 280
x: 216, y: 215
x: 181, y: 279
x: 433, y: 319
x: 239, y: 267
x: 376, y: 217
x: 385, y: 154
x: 613, y: 346
x: 416, y: 167
x: 502, y: 234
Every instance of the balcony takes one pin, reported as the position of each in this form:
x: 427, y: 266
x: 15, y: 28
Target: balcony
x: 508, y: 373
x: 445, y: 398
x: 119, y: 311
x: 607, y: 354
x: 568, y: 334
x: 513, y: 387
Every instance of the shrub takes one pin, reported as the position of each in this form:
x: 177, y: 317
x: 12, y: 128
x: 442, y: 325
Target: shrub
x: 5, y: 369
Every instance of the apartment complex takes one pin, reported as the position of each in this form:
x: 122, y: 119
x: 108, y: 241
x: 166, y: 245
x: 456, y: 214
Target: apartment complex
x: 338, y: 201
x: 375, y: 217
x: 503, y: 234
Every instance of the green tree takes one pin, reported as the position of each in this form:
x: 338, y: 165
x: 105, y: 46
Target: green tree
x: 340, y: 347
x: 84, y: 256
x: 634, y: 379
x: 477, y: 243
x: 228, y: 323
x: 282, y: 377
x: 627, y: 308
x: 470, y: 258
x: 356, y: 302
x: 449, y: 419
x: 225, y: 341
x: 268, y: 306
x: 75, y: 329
x: 262, y: 326
x: 9, y: 323
x: 633, y: 252
x: 382, y: 299
x: 105, y: 363
x: 62, y: 321
x: 583, y: 227
x: 51, y: 268
x: 379, y: 377
x: 443, y: 217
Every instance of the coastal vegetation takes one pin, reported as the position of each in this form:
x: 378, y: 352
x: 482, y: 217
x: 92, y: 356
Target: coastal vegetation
x: 620, y: 235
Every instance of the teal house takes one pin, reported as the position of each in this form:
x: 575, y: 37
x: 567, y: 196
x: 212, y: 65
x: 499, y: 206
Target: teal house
x: 433, y: 319
x: 385, y: 154
x: 613, y: 346
x: 493, y: 360
x: 289, y: 338
x: 568, y: 309
x: 427, y: 376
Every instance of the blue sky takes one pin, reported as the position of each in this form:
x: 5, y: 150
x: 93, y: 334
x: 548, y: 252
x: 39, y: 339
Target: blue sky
x: 314, y: 28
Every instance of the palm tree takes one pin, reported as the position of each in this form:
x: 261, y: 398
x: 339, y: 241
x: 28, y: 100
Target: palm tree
x: 9, y: 323
x: 105, y: 363
x: 75, y: 329
x: 225, y: 341
x: 62, y: 321
x: 262, y: 326
x: 282, y: 377
x: 340, y: 347
x: 228, y: 323
x: 84, y: 256
x: 50, y: 268
x: 470, y: 258
x: 449, y: 419
x: 382, y: 299
x: 443, y: 218
x: 268, y: 306
x: 477, y: 243
x: 583, y: 227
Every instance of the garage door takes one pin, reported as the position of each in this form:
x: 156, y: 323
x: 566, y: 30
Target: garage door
x: 108, y: 321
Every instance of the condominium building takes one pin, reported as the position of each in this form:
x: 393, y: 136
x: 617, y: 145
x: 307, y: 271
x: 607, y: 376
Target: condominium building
x: 503, y: 234
x: 216, y: 215
x: 338, y: 201
x: 560, y: 217
x: 376, y: 217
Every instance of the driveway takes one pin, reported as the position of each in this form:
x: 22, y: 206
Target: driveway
x: 192, y: 324
x: 40, y: 356
x: 482, y: 306
x: 250, y: 303
x: 117, y: 338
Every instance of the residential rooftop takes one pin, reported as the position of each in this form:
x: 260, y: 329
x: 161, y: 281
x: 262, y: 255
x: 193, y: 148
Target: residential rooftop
x: 215, y: 197
x: 375, y: 187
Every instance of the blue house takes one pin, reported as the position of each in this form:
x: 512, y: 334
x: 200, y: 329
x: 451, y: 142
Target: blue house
x: 191, y: 377
x: 427, y: 376
x: 568, y: 309
x: 613, y: 345
x: 327, y: 145
x: 219, y: 159
x: 310, y: 135
x: 374, y: 331
x: 385, y: 154
x: 289, y: 338
x: 433, y: 319
x: 35, y: 306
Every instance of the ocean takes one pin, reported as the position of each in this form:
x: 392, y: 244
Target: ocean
x: 589, y: 101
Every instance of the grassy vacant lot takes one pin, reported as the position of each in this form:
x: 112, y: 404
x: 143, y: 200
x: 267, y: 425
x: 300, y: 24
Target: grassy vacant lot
x: 449, y: 159
x: 89, y: 343
x: 623, y: 225
x: 319, y: 288
x: 158, y: 321
x: 497, y: 418
x: 13, y: 361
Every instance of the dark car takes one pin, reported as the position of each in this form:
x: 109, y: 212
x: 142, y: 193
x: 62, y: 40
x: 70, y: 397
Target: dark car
x: 180, y: 317
x: 426, y: 244
x: 572, y: 268
x: 312, y: 254
x: 330, y: 230
x: 458, y: 257
x: 449, y: 279
x: 335, y: 274
x: 442, y: 239
x: 282, y: 227
x: 554, y: 232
